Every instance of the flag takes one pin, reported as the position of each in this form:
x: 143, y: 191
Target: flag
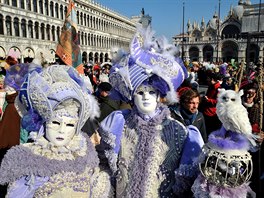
x: 68, y: 48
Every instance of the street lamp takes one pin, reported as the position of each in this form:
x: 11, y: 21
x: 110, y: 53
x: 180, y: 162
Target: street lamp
x: 183, y: 30
x: 218, y: 31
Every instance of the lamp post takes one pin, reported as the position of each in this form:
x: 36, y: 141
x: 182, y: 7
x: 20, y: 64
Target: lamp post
x: 183, y: 30
x: 218, y: 31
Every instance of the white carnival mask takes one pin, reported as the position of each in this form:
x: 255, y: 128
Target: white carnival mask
x: 146, y: 99
x: 61, y: 129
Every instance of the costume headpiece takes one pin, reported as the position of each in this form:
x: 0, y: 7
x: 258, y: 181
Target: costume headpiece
x: 149, y: 59
x: 41, y: 93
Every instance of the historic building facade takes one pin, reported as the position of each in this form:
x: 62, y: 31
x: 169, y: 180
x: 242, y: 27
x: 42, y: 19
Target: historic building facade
x: 239, y: 36
x: 28, y: 27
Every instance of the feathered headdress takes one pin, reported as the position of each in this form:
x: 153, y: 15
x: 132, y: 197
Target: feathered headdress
x: 41, y: 93
x: 149, y: 59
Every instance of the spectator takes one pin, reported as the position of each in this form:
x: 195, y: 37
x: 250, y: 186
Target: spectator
x: 187, y: 110
x: 228, y: 83
x: 208, y: 103
x: 106, y: 104
x: 104, y: 76
x: 250, y: 101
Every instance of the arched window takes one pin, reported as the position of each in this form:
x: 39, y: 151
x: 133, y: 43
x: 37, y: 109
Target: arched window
x: 1, y: 24
x: 53, y: 33
x: 58, y: 33
x: 61, y: 11
x: 7, y: 2
x: 8, y: 26
x: 82, y: 38
x: 57, y: 10
x: 37, y: 30
x: 52, y: 9
x: 22, y: 4
x: 24, y: 28
x: 42, y: 29
x: 47, y: 7
x: 84, y: 19
x: 78, y: 17
x: 48, y: 32
x: 35, y: 6
x: 40, y: 6
x: 16, y: 26
x: 29, y: 5
x: 65, y: 11
x: 14, y: 3
x: 30, y: 29
x: 81, y: 17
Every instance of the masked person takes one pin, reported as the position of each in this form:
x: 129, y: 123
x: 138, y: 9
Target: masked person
x: 149, y: 153
x: 61, y: 161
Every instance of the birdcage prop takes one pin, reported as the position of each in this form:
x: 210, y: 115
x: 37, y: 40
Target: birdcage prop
x: 225, y: 168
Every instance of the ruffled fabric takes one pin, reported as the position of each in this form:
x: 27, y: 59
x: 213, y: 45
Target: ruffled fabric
x: 145, y: 152
x: 22, y: 161
x: 203, y: 188
x: 76, y: 147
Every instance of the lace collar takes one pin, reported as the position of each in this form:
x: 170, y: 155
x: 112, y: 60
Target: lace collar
x: 76, y: 147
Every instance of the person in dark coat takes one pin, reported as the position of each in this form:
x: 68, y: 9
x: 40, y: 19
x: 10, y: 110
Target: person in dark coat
x: 106, y: 104
x: 208, y: 103
x: 251, y: 102
x: 187, y: 110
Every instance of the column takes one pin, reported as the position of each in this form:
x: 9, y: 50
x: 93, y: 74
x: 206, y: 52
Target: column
x: 4, y: 25
x: 200, y: 55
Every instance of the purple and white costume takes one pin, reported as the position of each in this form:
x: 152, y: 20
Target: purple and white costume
x: 150, y: 155
x: 44, y: 168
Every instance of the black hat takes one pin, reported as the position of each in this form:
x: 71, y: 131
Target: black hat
x: 104, y: 86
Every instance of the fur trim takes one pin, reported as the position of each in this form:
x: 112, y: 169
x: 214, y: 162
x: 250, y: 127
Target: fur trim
x: 20, y: 161
x: 145, y: 152
x: 204, y: 188
x: 228, y: 140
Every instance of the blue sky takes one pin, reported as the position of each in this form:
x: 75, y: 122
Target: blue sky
x: 167, y: 15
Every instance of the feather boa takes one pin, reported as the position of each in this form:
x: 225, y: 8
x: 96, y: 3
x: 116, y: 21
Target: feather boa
x: 228, y: 140
x: 147, y: 132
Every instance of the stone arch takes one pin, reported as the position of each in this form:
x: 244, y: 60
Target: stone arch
x: 106, y: 57
x: 2, y: 53
x: 91, y: 57
x: 15, y: 52
x: 229, y: 51
x: 101, y: 57
x: 230, y: 31
x: 84, y: 57
x: 96, y: 57
x: 28, y: 55
x: 253, y: 53
x: 194, y: 53
x: 208, y: 52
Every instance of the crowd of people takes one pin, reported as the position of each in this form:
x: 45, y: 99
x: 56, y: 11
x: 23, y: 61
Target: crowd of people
x: 133, y: 127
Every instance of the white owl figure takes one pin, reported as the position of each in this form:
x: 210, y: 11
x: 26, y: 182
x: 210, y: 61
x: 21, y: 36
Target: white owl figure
x: 232, y: 113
